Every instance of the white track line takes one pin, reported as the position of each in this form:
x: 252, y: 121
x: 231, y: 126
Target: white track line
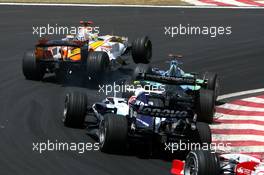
x: 137, y: 6
x: 254, y: 99
x: 236, y: 94
x: 238, y: 126
x: 242, y: 108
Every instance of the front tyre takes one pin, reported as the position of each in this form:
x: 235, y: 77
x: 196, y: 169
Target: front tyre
x: 31, y: 68
x: 113, y: 133
x: 201, y: 162
x: 142, y: 50
x: 75, y: 108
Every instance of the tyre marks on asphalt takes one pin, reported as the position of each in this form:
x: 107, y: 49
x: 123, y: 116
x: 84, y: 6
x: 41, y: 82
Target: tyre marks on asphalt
x: 240, y: 123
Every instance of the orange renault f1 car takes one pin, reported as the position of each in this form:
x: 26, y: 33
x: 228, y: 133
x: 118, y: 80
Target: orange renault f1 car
x: 90, y: 56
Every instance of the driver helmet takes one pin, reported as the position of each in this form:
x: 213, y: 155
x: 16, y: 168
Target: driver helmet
x: 85, y: 35
x: 139, y: 98
x: 175, y: 70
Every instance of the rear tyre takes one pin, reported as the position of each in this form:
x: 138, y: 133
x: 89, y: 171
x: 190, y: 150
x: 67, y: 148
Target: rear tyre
x: 203, y: 134
x: 206, y: 106
x: 200, y: 162
x: 75, y: 108
x: 212, y: 82
x: 31, y: 68
x: 113, y: 133
x: 97, y: 63
x: 142, y: 50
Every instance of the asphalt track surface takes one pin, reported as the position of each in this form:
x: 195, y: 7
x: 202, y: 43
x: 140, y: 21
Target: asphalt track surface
x: 32, y: 111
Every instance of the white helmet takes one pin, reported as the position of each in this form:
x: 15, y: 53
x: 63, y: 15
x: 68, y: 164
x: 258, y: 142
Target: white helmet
x: 139, y: 91
x: 85, y: 34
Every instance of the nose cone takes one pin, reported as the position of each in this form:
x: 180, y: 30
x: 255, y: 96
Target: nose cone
x: 173, y: 71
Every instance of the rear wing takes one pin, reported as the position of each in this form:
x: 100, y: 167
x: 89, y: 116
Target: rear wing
x: 54, y: 43
x: 42, y: 52
x: 154, y: 111
x: 171, y: 80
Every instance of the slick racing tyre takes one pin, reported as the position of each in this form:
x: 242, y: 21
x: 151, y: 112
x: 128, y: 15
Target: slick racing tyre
x: 113, y: 133
x: 142, y: 50
x: 212, y: 82
x: 75, y: 109
x: 141, y: 69
x: 205, y: 106
x: 31, y: 68
x: 202, y: 134
x: 97, y: 63
x: 201, y: 162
